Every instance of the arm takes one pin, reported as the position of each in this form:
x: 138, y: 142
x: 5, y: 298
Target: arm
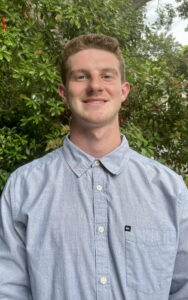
x: 14, y: 278
x: 179, y: 287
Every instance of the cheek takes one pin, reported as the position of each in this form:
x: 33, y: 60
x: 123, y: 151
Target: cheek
x: 75, y: 91
x: 116, y: 93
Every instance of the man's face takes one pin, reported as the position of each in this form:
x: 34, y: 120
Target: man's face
x: 94, y: 89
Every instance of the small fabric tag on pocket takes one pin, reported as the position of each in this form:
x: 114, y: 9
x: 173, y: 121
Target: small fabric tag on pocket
x: 127, y: 228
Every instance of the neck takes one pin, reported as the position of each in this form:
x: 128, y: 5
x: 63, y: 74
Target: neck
x: 96, y: 141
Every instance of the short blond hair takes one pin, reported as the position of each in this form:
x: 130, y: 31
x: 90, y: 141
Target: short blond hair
x: 91, y: 41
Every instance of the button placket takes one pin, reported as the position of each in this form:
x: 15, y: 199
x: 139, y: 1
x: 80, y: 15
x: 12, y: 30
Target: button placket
x: 101, y: 242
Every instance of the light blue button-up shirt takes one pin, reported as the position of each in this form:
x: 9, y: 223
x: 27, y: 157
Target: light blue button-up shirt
x: 73, y: 227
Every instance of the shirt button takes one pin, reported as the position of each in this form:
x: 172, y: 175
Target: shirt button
x: 103, y: 280
x: 97, y: 162
x: 99, y: 187
x: 101, y: 229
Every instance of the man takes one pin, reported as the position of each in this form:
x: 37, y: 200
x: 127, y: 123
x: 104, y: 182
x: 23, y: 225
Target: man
x: 94, y: 219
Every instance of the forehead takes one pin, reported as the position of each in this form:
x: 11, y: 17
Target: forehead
x: 92, y: 59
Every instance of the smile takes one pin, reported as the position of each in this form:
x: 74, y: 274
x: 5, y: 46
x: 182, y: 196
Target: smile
x: 95, y: 101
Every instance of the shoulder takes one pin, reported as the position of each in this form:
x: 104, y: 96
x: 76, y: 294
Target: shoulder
x: 150, y: 163
x: 29, y: 180
x: 155, y: 172
x: 40, y: 165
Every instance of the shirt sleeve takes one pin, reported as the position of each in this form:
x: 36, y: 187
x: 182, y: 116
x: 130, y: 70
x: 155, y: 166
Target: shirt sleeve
x: 179, y: 286
x: 14, y: 278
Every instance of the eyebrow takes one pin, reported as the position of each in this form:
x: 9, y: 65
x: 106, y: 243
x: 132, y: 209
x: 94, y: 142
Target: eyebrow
x: 111, y: 70
x: 77, y: 71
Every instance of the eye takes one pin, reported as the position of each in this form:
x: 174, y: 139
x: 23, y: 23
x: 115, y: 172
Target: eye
x: 107, y: 76
x: 81, y: 77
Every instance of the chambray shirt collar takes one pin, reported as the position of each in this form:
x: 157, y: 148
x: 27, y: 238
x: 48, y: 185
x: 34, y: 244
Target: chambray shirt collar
x: 80, y: 162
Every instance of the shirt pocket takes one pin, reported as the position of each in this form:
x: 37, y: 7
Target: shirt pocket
x: 150, y: 257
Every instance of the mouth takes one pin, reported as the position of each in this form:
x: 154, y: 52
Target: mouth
x: 95, y: 101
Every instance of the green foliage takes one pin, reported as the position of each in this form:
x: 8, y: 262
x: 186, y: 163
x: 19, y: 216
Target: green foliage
x: 182, y: 8
x: 158, y: 105
x: 33, y: 119
x: 167, y: 13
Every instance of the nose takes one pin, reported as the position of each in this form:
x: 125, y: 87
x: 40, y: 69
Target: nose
x: 95, y: 84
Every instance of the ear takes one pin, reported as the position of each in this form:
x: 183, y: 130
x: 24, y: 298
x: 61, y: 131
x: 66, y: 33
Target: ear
x: 62, y: 92
x: 125, y: 91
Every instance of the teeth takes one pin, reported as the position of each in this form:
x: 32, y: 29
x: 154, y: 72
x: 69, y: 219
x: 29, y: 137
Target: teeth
x: 94, y: 101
